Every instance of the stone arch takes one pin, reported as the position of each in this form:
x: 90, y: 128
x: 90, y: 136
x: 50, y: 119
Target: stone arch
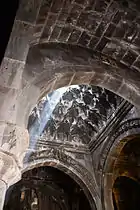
x: 110, y: 152
x: 55, y: 65
x: 97, y: 68
x: 51, y: 66
x: 58, y: 159
x: 128, y: 160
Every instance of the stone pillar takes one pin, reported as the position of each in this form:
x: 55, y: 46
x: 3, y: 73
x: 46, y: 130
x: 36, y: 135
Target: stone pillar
x: 9, y: 174
x: 16, y: 97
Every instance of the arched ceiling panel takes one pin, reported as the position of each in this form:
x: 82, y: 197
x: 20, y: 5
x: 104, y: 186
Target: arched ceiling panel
x: 108, y: 27
x: 74, y: 115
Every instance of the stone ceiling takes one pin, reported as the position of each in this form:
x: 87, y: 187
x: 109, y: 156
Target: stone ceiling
x: 108, y: 27
x: 77, y: 116
x: 83, y: 42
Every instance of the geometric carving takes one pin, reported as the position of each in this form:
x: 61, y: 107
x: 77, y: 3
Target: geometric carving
x: 78, y: 116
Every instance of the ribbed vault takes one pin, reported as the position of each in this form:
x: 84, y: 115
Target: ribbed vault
x: 76, y: 116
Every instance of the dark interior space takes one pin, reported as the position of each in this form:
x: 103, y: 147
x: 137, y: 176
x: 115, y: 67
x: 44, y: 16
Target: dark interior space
x: 7, y: 15
x: 46, y: 188
x: 114, y: 201
x: 126, y: 193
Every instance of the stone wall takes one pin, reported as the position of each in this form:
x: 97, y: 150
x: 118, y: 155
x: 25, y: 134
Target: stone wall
x: 60, y: 43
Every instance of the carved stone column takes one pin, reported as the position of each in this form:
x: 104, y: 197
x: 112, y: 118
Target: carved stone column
x: 9, y: 174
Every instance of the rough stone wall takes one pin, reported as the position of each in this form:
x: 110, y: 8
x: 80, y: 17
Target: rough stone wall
x: 60, y: 43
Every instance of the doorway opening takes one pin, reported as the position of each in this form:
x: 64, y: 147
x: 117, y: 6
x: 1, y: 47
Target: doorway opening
x: 126, y: 176
x: 46, y: 188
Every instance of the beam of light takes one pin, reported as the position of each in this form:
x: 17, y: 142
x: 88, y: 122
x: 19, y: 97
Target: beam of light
x: 49, y: 104
x: 38, y: 126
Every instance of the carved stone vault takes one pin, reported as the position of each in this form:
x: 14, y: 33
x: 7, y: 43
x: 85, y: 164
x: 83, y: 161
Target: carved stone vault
x: 70, y: 94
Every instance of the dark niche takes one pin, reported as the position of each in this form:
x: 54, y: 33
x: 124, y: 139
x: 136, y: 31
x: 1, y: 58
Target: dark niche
x: 46, y: 188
